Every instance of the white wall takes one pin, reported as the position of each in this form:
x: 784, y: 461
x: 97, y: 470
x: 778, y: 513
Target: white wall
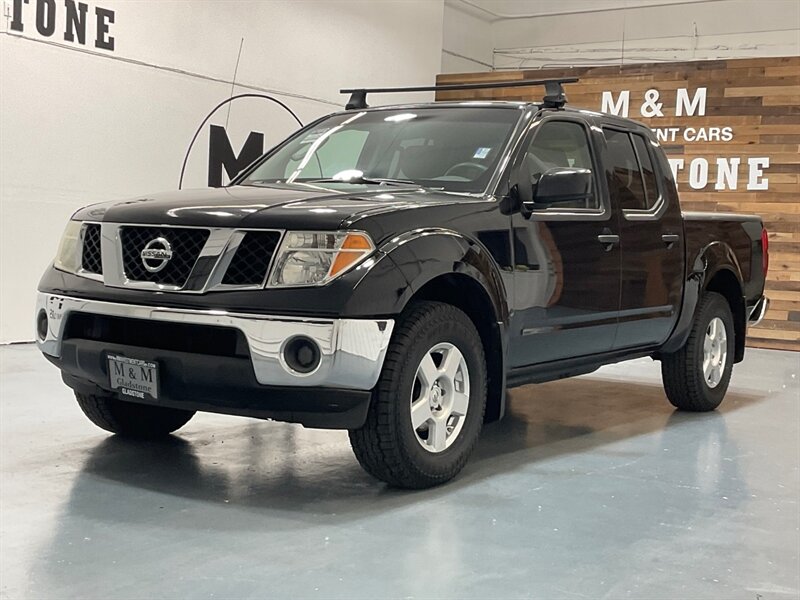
x: 80, y: 125
x: 467, y: 44
x: 697, y: 31
x: 530, y: 34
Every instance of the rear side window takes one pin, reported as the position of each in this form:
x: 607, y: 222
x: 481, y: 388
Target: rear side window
x: 631, y: 175
x: 624, y: 177
x: 648, y: 173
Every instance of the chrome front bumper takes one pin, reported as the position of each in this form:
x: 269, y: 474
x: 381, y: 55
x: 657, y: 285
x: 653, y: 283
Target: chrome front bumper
x: 352, y: 350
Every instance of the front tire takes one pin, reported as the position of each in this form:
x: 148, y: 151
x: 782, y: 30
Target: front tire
x: 696, y: 377
x: 133, y: 420
x: 427, y: 408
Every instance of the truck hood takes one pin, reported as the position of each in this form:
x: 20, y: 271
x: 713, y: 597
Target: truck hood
x: 283, y: 207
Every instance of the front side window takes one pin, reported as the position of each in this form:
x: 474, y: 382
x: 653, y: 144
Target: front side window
x: 560, y: 144
x: 455, y: 149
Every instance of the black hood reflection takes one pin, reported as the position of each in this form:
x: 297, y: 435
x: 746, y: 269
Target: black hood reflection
x: 299, y: 205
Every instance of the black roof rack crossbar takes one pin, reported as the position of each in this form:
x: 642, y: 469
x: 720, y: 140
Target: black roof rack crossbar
x: 554, y: 92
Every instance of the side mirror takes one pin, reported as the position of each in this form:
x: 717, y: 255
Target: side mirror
x: 561, y: 185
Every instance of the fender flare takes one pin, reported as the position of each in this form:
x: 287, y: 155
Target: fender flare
x: 420, y: 256
x: 715, y: 257
x: 709, y: 261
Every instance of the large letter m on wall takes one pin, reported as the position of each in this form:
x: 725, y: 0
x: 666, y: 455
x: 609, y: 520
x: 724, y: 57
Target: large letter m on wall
x: 221, y: 154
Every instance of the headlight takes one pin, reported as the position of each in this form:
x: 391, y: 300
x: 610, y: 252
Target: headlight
x: 314, y: 258
x: 68, y: 257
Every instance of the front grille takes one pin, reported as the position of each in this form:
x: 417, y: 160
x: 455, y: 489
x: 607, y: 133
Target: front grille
x: 186, y: 244
x: 251, y: 261
x: 91, y: 260
x: 157, y: 335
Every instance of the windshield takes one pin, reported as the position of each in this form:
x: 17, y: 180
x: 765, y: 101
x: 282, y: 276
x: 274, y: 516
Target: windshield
x: 455, y: 149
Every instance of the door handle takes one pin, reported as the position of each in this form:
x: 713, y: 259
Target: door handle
x: 608, y: 239
x: 670, y: 239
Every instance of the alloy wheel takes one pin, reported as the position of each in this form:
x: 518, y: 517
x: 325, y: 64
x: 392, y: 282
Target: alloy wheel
x: 440, y: 397
x: 715, y: 352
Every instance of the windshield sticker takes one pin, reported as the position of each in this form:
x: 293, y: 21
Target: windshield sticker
x: 481, y: 152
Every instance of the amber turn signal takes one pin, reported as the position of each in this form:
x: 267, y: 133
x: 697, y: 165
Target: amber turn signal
x: 354, y: 247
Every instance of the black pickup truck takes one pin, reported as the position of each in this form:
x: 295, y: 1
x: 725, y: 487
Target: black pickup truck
x: 392, y: 271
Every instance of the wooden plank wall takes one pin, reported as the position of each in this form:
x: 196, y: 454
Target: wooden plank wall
x: 759, y: 99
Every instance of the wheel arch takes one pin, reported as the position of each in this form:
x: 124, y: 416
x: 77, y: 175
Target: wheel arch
x: 721, y: 273
x: 725, y: 283
x: 446, y: 266
x: 714, y: 268
x: 468, y: 295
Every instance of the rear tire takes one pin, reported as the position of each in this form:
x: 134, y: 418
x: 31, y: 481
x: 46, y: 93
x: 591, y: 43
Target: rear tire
x: 446, y: 400
x: 696, y: 377
x: 130, y: 419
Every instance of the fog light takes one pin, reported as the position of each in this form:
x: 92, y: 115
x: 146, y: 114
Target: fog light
x: 41, y: 325
x: 301, y: 355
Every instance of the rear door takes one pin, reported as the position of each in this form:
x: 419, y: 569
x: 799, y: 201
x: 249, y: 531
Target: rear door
x: 651, y: 237
x: 566, y: 278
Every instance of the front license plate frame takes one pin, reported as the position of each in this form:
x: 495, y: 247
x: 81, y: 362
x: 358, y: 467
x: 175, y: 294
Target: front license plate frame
x: 134, y: 378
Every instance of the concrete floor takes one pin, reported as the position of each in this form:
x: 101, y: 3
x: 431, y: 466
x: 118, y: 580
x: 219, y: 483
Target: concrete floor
x: 590, y: 488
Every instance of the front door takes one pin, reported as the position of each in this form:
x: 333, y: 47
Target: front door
x: 566, y: 264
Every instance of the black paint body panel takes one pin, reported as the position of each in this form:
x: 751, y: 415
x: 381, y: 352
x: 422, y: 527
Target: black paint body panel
x: 562, y: 302
x: 215, y: 384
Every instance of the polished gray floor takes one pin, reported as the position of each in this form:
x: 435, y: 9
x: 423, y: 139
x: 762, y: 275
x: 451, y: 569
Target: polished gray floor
x: 590, y: 488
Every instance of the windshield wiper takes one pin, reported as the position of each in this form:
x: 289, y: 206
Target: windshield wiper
x: 365, y: 180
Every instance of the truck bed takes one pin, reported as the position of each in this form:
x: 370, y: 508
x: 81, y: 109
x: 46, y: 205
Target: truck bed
x: 742, y: 235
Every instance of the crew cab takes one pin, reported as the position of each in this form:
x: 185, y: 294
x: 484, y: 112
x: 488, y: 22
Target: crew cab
x: 394, y: 270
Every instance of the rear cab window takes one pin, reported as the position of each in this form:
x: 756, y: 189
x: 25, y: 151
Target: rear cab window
x: 632, y: 178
